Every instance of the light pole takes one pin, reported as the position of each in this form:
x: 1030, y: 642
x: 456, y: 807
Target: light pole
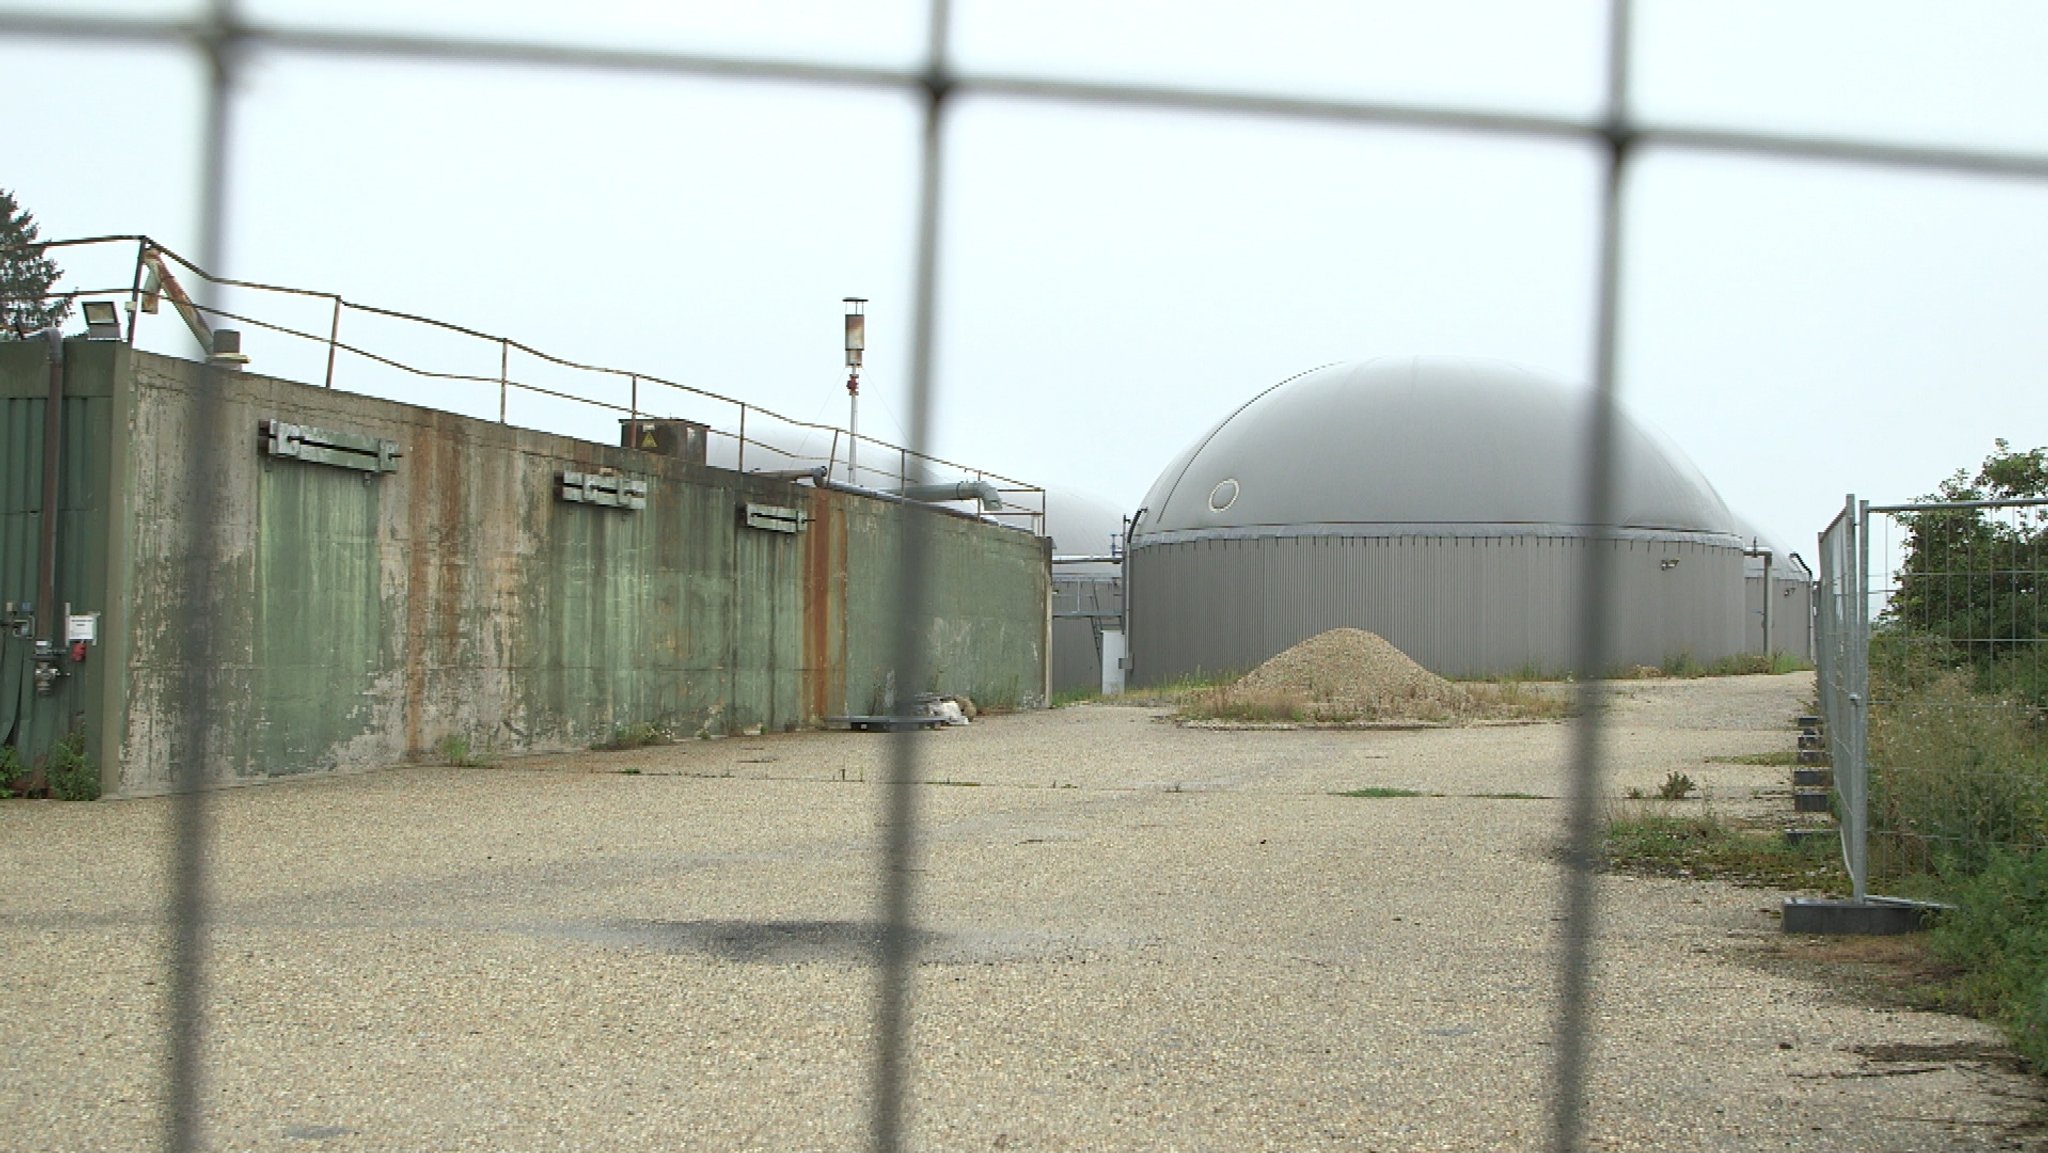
x: 856, y: 343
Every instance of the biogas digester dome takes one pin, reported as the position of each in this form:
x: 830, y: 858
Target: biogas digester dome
x: 1436, y: 501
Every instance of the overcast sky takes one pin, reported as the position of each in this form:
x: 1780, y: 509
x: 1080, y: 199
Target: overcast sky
x: 1115, y: 281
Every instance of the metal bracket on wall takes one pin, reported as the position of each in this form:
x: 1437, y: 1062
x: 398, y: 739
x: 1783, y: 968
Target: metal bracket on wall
x: 325, y: 446
x: 598, y: 489
x: 772, y: 517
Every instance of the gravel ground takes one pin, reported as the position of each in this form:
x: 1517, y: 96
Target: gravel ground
x: 1137, y: 937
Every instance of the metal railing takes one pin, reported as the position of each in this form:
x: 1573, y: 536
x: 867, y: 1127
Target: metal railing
x: 741, y: 435
x: 223, y: 40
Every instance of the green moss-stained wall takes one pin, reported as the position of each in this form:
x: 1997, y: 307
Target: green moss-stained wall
x: 84, y: 501
x: 972, y: 645
x: 366, y: 618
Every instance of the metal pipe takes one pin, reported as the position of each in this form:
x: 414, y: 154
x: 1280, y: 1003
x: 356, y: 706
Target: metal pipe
x: 1107, y: 558
x: 1767, y: 602
x: 194, y: 322
x: 980, y: 490
x: 1765, y: 555
x: 1129, y: 586
x: 53, y: 441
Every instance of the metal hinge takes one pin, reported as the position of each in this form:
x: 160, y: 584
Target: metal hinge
x: 773, y: 518
x: 609, y: 491
x: 325, y: 446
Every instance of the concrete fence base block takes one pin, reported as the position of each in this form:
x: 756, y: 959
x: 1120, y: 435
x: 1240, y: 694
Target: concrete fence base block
x: 1875, y: 917
x: 1805, y: 802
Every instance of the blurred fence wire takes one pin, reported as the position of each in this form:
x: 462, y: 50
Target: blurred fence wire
x: 225, y: 42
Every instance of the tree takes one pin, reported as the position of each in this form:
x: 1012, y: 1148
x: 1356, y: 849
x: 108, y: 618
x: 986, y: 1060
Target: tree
x: 1972, y: 578
x: 25, y: 275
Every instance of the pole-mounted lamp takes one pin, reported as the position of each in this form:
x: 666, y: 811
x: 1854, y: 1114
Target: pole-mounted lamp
x: 856, y: 343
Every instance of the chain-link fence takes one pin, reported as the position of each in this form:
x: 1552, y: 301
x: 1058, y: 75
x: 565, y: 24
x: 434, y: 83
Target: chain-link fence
x: 1934, y: 686
x: 224, y: 41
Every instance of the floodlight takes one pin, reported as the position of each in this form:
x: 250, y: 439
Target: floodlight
x: 102, y: 320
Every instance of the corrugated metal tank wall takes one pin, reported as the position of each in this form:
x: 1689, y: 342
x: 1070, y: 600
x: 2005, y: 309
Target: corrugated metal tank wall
x: 1791, y: 617
x: 1081, y: 605
x: 1459, y: 605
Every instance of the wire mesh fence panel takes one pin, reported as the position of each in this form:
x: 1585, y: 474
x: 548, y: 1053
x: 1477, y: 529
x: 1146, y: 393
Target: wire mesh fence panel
x: 1957, y: 684
x: 1840, y: 645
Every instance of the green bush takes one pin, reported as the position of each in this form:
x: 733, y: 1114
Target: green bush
x: 1997, y: 934
x: 72, y: 775
x: 11, y: 770
x: 1954, y: 771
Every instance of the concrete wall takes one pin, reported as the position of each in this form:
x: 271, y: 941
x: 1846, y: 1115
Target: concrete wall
x: 366, y: 617
x: 1458, y: 605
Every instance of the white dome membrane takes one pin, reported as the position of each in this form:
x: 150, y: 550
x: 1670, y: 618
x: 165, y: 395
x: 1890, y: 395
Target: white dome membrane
x: 1451, y: 445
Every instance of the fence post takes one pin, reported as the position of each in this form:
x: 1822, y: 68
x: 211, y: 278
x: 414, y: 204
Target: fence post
x: 333, y: 338
x: 1856, y: 801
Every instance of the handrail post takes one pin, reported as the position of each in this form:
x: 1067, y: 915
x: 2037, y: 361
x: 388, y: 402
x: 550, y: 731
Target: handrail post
x: 135, y: 292
x: 740, y: 461
x: 633, y: 402
x: 333, y: 338
x: 504, y: 372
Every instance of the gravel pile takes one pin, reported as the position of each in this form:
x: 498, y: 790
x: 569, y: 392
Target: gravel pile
x: 1348, y: 674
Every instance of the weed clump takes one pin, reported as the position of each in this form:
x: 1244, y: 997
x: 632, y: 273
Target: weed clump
x: 1705, y: 845
x: 637, y: 736
x: 1676, y: 787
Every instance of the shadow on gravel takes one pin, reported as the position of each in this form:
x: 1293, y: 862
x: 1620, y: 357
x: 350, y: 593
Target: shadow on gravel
x: 748, y: 942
